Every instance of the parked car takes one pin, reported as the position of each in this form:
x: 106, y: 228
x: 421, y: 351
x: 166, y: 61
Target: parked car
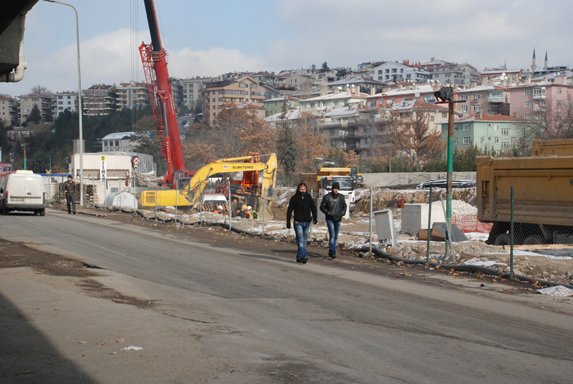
x: 23, y: 191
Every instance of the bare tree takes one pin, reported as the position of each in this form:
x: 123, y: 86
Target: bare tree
x: 412, y: 137
x: 40, y: 89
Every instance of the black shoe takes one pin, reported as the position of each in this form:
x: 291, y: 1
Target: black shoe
x: 69, y: 213
x: 304, y: 260
x: 74, y: 213
x: 332, y: 255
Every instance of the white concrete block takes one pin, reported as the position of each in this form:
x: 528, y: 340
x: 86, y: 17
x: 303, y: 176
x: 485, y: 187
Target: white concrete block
x: 415, y: 217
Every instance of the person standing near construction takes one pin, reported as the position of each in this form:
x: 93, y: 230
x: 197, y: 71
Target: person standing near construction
x: 334, y: 208
x: 70, y: 193
x: 304, y: 208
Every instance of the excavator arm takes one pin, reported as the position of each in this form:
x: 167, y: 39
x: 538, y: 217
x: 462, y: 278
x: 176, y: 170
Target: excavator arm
x: 200, y: 180
x: 192, y: 191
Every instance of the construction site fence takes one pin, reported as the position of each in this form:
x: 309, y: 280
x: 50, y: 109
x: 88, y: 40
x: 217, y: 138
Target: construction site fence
x: 95, y: 191
x: 515, y: 239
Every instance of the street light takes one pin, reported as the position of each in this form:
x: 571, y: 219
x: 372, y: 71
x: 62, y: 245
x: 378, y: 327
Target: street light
x: 81, y: 141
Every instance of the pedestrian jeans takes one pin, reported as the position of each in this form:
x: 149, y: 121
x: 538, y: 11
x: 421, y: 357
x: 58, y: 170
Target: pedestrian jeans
x: 333, y: 229
x: 301, y: 230
x: 71, y: 202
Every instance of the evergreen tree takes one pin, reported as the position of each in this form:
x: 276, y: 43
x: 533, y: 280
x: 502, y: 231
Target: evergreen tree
x: 35, y: 116
x: 286, y: 148
x: 325, y: 65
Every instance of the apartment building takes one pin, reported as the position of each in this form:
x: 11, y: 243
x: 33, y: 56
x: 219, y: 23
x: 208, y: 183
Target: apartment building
x: 489, y: 74
x: 241, y: 91
x: 275, y: 105
x: 192, y: 91
x: 8, y: 110
x: 533, y: 100
x: 463, y: 75
x: 326, y: 103
x: 394, y: 72
x: 27, y: 102
x: 490, y: 99
x: 433, y: 63
x: 132, y: 95
x: 100, y: 99
x: 365, y: 84
x: 64, y: 101
x: 492, y: 133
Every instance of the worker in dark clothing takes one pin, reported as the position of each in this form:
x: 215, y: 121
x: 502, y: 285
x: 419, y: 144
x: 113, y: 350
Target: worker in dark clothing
x: 304, y: 210
x: 70, y: 193
x: 334, y: 208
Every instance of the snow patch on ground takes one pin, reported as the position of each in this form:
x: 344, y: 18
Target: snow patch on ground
x: 482, y: 263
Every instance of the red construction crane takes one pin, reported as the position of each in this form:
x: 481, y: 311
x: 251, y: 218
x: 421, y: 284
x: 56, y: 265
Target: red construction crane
x: 154, y: 60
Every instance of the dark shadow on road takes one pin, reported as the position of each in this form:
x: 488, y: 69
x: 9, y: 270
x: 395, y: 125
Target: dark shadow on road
x: 26, y: 356
x: 293, y: 260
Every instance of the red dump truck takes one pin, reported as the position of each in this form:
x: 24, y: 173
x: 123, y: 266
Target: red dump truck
x: 543, y: 194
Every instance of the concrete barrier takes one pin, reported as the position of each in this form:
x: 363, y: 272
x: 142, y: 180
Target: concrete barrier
x: 393, y: 179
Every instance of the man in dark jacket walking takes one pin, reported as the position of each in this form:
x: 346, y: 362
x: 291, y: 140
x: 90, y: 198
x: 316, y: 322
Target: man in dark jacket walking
x: 334, y: 208
x: 304, y: 210
x: 70, y: 193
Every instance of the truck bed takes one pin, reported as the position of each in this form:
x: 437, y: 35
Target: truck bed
x: 543, y: 189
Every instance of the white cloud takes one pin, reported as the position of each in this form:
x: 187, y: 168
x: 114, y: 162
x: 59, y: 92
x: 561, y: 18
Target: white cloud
x: 108, y: 58
x: 211, y: 62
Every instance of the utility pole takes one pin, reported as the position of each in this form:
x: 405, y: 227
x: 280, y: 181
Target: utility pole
x: 446, y: 96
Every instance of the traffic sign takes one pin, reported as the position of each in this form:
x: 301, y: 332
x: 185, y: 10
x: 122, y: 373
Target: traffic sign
x: 135, y: 161
x: 102, y: 158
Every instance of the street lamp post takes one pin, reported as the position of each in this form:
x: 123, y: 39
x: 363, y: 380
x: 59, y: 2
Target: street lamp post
x: 446, y: 96
x: 80, y: 111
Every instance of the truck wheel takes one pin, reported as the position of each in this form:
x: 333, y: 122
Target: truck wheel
x: 4, y: 209
x: 43, y: 212
x: 534, y: 239
x: 503, y: 239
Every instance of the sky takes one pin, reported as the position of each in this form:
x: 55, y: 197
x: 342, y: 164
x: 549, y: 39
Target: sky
x: 211, y: 37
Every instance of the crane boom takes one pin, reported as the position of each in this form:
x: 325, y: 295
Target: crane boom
x: 154, y: 59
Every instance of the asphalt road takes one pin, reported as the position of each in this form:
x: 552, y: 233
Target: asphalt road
x: 277, y: 320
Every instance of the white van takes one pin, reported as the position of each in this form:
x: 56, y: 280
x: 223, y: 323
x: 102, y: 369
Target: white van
x: 23, y: 191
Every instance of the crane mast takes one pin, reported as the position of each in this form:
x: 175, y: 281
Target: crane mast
x: 154, y: 59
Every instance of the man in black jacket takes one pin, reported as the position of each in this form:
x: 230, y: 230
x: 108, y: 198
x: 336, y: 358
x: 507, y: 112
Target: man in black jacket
x: 70, y: 193
x: 304, y: 212
x: 334, y: 208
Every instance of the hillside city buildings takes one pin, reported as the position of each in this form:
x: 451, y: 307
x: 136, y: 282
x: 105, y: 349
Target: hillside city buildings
x: 348, y: 105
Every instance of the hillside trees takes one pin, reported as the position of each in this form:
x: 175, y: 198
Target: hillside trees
x: 35, y: 115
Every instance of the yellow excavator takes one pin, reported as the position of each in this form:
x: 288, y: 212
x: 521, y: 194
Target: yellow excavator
x: 188, y: 191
